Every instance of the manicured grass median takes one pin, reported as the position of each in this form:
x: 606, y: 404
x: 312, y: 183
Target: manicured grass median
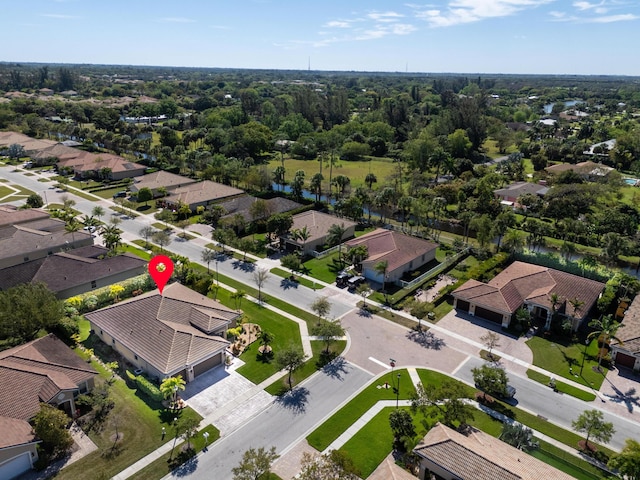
x: 562, y: 387
x: 322, y: 436
x: 300, y: 280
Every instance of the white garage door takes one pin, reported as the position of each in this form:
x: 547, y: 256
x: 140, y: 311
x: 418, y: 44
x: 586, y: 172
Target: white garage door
x: 15, y: 466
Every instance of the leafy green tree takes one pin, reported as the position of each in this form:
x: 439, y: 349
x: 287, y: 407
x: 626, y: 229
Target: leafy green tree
x: 266, y: 339
x: 34, y: 201
x: 627, y: 462
x: 334, y: 465
x: 279, y: 224
x: 187, y: 428
x: 328, y: 331
x: 335, y: 235
x: 401, y: 424
x: 592, y: 423
x: 144, y: 195
x: 25, y: 310
x: 162, y: 238
x: 97, y: 211
x: 290, y: 359
x: 491, y: 379
x: 147, y: 232
x: 321, y: 306
x: 50, y: 426
x: 255, y: 464
x: 292, y: 262
x: 448, y: 399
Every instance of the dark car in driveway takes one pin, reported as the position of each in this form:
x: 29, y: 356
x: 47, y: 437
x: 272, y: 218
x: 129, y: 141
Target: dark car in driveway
x: 354, y: 282
x: 343, y: 278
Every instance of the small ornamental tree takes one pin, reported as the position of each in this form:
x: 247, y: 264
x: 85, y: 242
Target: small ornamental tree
x: 591, y: 422
x: 49, y: 425
x: 290, y: 359
x: 328, y: 331
x: 490, y: 379
x: 255, y: 464
x: 170, y: 387
x: 144, y: 195
x: 321, y: 307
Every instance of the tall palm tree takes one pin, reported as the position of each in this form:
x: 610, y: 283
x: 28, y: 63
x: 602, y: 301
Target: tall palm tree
x: 170, y: 387
x: 301, y: 234
x: 381, y: 269
x: 98, y: 211
x: 72, y: 227
x: 606, y: 328
x: 208, y: 255
x: 334, y: 237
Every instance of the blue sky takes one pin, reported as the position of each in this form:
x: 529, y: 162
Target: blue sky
x: 486, y: 36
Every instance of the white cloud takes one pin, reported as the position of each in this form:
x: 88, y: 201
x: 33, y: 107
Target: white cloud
x: 385, y: 16
x: 337, y: 24
x: 558, y: 15
x: 176, y: 20
x: 612, y: 18
x: 59, y: 16
x: 467, y: 11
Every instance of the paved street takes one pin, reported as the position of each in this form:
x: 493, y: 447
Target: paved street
x: 284, y: 423
x: 451, y: 346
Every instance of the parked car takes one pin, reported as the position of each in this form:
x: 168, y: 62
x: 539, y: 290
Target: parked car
x: 90, y: 228
x: 354, y: 282
x: 343, y: 278
x: 121, y: 194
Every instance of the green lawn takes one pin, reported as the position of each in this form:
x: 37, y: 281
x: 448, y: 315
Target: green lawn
x: 311, y: 366
x: 325, y: 268
x: 162, y: 466
x: 557, y: 359
x: 562, y: 387
x: 140, y: 422
x: 355, y: 170
x: 566, y: 462
x: 331, y: 429
x: 286, y: 274
x: 4, y: 191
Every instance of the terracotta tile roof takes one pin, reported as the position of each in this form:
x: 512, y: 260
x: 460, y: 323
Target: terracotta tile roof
x: 159, y: 179
x: 11, y: 215
x: 479, y: 456
x: 28, y: 143
x: 202, y: 192
x: 396, y: 248
x: 36, y: 372
x: 629, y: 332
x: 20, y: 239
x: 521, y: 283
x: 317, y: 224
x: 242, y: 205
x: 167, y: 331
x: 62, y: 271
x: 59, y: 151
x: 15, y: 432
x: 521, y: 188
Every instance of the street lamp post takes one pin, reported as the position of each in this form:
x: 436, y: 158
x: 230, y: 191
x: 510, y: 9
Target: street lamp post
x: 398, y: 392
x: 175, y: 439
x: 584, y: 354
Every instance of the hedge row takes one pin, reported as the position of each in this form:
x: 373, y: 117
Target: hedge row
x: 149, y: 389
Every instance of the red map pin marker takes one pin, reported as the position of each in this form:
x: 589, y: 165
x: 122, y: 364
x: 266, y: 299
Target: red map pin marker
x: 160, y: 269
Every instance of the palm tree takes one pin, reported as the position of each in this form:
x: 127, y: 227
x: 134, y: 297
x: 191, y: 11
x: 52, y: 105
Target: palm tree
x: 334, y: 237
x: 72, y: 227
x: 370, y: 179
x: 381, y: 269
x: 237, y: 296
x: 606, y: 328
x: 301, y: 234
x: 266, y: 338
x: 576, y: 307
x: 170, y: 386
x: 208, y: 255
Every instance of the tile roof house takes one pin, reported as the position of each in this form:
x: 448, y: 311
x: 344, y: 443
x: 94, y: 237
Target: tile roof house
x: 626, y: 352
x: 318, y: 225
x: 200, y: 194
x: 37, y: 239
x: 531, y: 286
x: 450, y: 455
x: 12, y: 215
x: 41, y: 371
x: 56, y: 153
x: 180, y: 332
x: 160, y: 179
x: 590, y: 171
x: 242, y: 205
x: 77, y: 271
x: 511, y: 193
x: 93, y: 165
x: 403, y: 253
x: 30, y: 145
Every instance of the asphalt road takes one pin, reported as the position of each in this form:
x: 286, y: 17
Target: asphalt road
x: 282, y: 424
x: 557, y: 407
